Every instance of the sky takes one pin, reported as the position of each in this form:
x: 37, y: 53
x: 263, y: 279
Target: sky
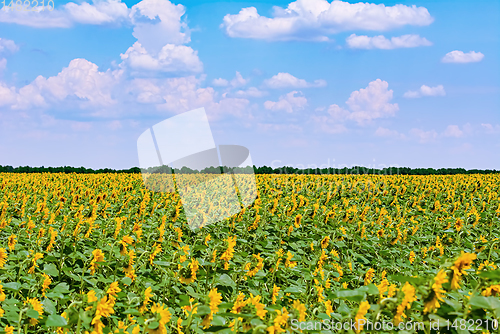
x: 308, y: 83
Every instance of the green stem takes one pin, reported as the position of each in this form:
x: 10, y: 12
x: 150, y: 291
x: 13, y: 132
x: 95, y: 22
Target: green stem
x: 78, y: 325
x: 20, y: 321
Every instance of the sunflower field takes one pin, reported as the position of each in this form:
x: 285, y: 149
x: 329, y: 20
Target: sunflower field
x: 100, y: 253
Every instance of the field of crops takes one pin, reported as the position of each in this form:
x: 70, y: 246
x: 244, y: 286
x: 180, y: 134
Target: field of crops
x: 102, y: 254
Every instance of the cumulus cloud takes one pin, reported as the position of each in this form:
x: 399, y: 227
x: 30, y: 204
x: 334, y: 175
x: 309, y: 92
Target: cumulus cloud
x: 37, y: 18
x: 461, y: 57
x: 426, y: 91
x: 288, y: 102
x: 363, y: 106
x: 155, y: 22
x: 489, y: 128
x: 314, y: 20
x: 179, y: 59
x: 371, y: 102
x: 251, y: 92
x: 181, y: 94
x: 81, y: 80
x: 453, y: 131
x: 286, y: 80
x: 236, y: 82
x: 384, y: 132
x: 380, y: 42
x: 99, y: 12
x: 7, y: 94
x: 424, y: 136
x: 8, y: 46
x: 220, y: 82
x: 158, y: 23
x: 279, y: 127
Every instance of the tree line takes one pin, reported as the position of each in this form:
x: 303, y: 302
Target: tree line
x: 356, y: 170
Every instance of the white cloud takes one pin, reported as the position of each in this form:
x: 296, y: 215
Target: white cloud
x: 384, y: 132
x: 220, y: 82
x: 172, y: 58
x: 81, y: 79
x: 238, y: 81
x: 453, y: 131
x: 81, y: 126
x: 100, y: 12
x: 424, y: 136
x: 461, y: 57
x: 314, y: 20
x: 158, y: 23
x: 364, y: 105
x: 251, y: 92
x: 155, y: 22
x: 181, y: 94
x: 328, y: 125
x: 115, y: 125
x: 279, y: 127
x: 426, y: 91
x: 288, y: 102
x: 491, y: 129
x: 380, y: 42
x: 8, y: 46
x: 7, y: 94
x: 37, y: 18
x: 286, y: 80
x: 97, y: 13
x: 371, y: 102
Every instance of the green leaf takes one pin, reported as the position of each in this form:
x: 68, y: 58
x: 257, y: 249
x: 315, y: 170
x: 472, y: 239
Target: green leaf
x: 293, y: 289
x: 50, y: 269
x: 404, y: 279
x: 48, y: 306
x: 12, y: 286
x: 153, y: 325
x: 61, y: 288
x: 494, y: 274
x: 132, y: 312
x: 225, y: 280
x: 33, y: 314
x: 481, y: 302
x: 55, y: 320
x: 353, y: 295
x: 370, y: 289
x: 203, y: 310
x: 127, y: 280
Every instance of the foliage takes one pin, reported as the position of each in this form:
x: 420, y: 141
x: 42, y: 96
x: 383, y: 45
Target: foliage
x: 99, y: 253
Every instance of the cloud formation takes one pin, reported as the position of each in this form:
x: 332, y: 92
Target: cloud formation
x: 286, y: 80
x: 453, y: 131
x: 424, y: 136
x: 461, y: 57
x: 314, y: 20
x: 100, y: 12
x: 384, y: 132
x: 177, y: 59
x: 380, y: 42
x: 425, y: 91
x: 288, y: 102
x: 363, y: 106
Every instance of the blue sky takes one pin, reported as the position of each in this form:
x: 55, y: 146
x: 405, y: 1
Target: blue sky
x: 303, y: 83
